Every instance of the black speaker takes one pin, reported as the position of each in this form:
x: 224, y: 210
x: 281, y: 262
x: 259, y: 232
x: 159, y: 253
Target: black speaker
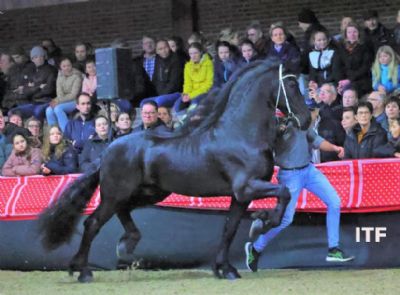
x: 114, y: 73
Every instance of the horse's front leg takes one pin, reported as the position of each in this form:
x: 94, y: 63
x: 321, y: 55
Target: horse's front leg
x: 259, y: 189
x: 222, y: 268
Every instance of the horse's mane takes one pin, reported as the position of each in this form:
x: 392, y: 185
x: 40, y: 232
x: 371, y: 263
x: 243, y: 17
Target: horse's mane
x: 211, y: 108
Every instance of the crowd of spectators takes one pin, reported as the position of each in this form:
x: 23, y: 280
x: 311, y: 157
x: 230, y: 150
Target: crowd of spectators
x: 52, y: 122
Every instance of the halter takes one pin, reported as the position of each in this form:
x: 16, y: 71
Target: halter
x: 291, y: 115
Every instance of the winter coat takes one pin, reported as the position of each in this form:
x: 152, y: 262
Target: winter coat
x: 325, y: 66
x: 371, y: 146
x: 223, y: 71
x: 45, y: 74
x: 357, y: 67
x: 66, y: 164
x: 79, y: 132
x: 289, y: 55
x: 68, y: 87
x: 168, y: 75
x: 198, y: 77
x: 385, y: 80
x: 23, y: 164
x: 379, y: 37
x: 92, y: 152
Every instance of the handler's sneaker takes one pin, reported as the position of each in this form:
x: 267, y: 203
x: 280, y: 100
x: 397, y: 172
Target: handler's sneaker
x: 337, y: 255
x: 251, y: 257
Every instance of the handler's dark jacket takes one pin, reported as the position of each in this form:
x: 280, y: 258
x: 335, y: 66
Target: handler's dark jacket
x: 371, y: 146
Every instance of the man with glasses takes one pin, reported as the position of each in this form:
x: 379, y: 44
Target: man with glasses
x: 377, y: 99
x: 150, y: 120
x: 367, y: 138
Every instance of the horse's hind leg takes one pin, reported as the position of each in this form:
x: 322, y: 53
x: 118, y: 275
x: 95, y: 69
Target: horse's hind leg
x: 235, y: 214
x: 129, y: 239
x: 92, y: 226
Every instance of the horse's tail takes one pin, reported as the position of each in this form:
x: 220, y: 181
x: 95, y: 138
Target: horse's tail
x: 57, y: 223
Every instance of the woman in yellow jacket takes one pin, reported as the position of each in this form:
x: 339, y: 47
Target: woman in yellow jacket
x: 198, y: 78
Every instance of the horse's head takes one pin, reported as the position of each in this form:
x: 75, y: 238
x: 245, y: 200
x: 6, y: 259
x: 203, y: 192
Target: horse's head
x: 290, y: 101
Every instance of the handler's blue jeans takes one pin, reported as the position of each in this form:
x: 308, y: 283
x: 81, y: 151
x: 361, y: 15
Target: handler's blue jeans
x: 314, y: 181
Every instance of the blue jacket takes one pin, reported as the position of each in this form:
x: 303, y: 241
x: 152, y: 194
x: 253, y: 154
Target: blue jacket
x: 66, y: 164
x: 92, y: 152
x: 223, y: 71
x: 385, y: 80
x: 79, y: 132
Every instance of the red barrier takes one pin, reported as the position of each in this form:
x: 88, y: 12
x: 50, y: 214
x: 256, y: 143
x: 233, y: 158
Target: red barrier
x: 370, y: 185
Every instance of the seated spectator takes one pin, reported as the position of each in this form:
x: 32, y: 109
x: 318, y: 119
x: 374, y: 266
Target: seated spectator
x: 249, y: 53
x: 224, y: 64
x: 256, y: 36
x: 198, y: 78
x: 69, y: 84
x: 83, y: 53
x: 5, y: 146
x: 286, y: 52
x: 233, y: 38
x: 23, y: 160
x: 167, y: 77
x: 357, y: 59
x: 80, y: 129
x: 14, y: 76
x: 150, y: 119
x: 349, y: 118
x: 59, y: 156
x: 39, y: 86
x: 386, y: 71
x: 176, y: 45
x: 14, y: 125
x: 343, y: 24
x: 89, y: 84
x: 93, y: 149
x: 198, y: 37
x: 368, y: 138
x: 324, y: 60
x: 165, y: 115
x: 350, y: 97
x: 375, y: 33
x: 15, y: 117
x: 378, y: 99
x: 34, y: 127
x: 123, y: 125
x: 394, y: 128
x: 392, y: 111
x: 330, y: 127
x: 54, y: 52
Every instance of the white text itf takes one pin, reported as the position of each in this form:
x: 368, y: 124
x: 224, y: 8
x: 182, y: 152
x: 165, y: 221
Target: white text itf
x: 368, y: 234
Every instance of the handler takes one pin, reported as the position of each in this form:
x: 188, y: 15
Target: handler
x: 293, y: 156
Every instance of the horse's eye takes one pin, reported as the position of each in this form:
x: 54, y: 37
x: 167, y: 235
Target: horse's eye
x: 292, y: 83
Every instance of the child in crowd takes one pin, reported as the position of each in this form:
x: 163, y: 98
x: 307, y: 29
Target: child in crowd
x: 89, y: 84
x: 386, y: 71
x: 123, y: 124
x: 59, y: 157
x: 24, y: 160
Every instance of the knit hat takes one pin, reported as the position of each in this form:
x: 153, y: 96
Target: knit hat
x: 307, y: 16
x: 17, y: 50
x: 370, y: 14
x: 38, y: 51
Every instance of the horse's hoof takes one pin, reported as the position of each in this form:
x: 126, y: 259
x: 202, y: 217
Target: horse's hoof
x: 217, y: 272
x: 86, y: 276
x: 232, y: 275
x: 258, y: 227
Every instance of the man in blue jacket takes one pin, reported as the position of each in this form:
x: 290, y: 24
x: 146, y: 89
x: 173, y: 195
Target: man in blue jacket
x: 80, y: 129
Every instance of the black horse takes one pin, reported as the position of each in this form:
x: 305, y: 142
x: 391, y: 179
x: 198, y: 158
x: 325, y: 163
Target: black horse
x: 228, y: 153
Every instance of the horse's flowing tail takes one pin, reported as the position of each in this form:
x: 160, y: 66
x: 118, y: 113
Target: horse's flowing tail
x: 57, y: 223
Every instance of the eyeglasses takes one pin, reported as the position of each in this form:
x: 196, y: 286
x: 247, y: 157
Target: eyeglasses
x: 149, y: 113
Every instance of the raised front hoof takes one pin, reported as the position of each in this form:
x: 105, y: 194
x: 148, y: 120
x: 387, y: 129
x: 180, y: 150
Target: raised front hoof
x: 259, y: 227
x: 86, y: 276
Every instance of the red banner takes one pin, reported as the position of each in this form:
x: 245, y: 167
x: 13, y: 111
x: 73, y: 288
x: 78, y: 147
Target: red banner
x: 370, y: 185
